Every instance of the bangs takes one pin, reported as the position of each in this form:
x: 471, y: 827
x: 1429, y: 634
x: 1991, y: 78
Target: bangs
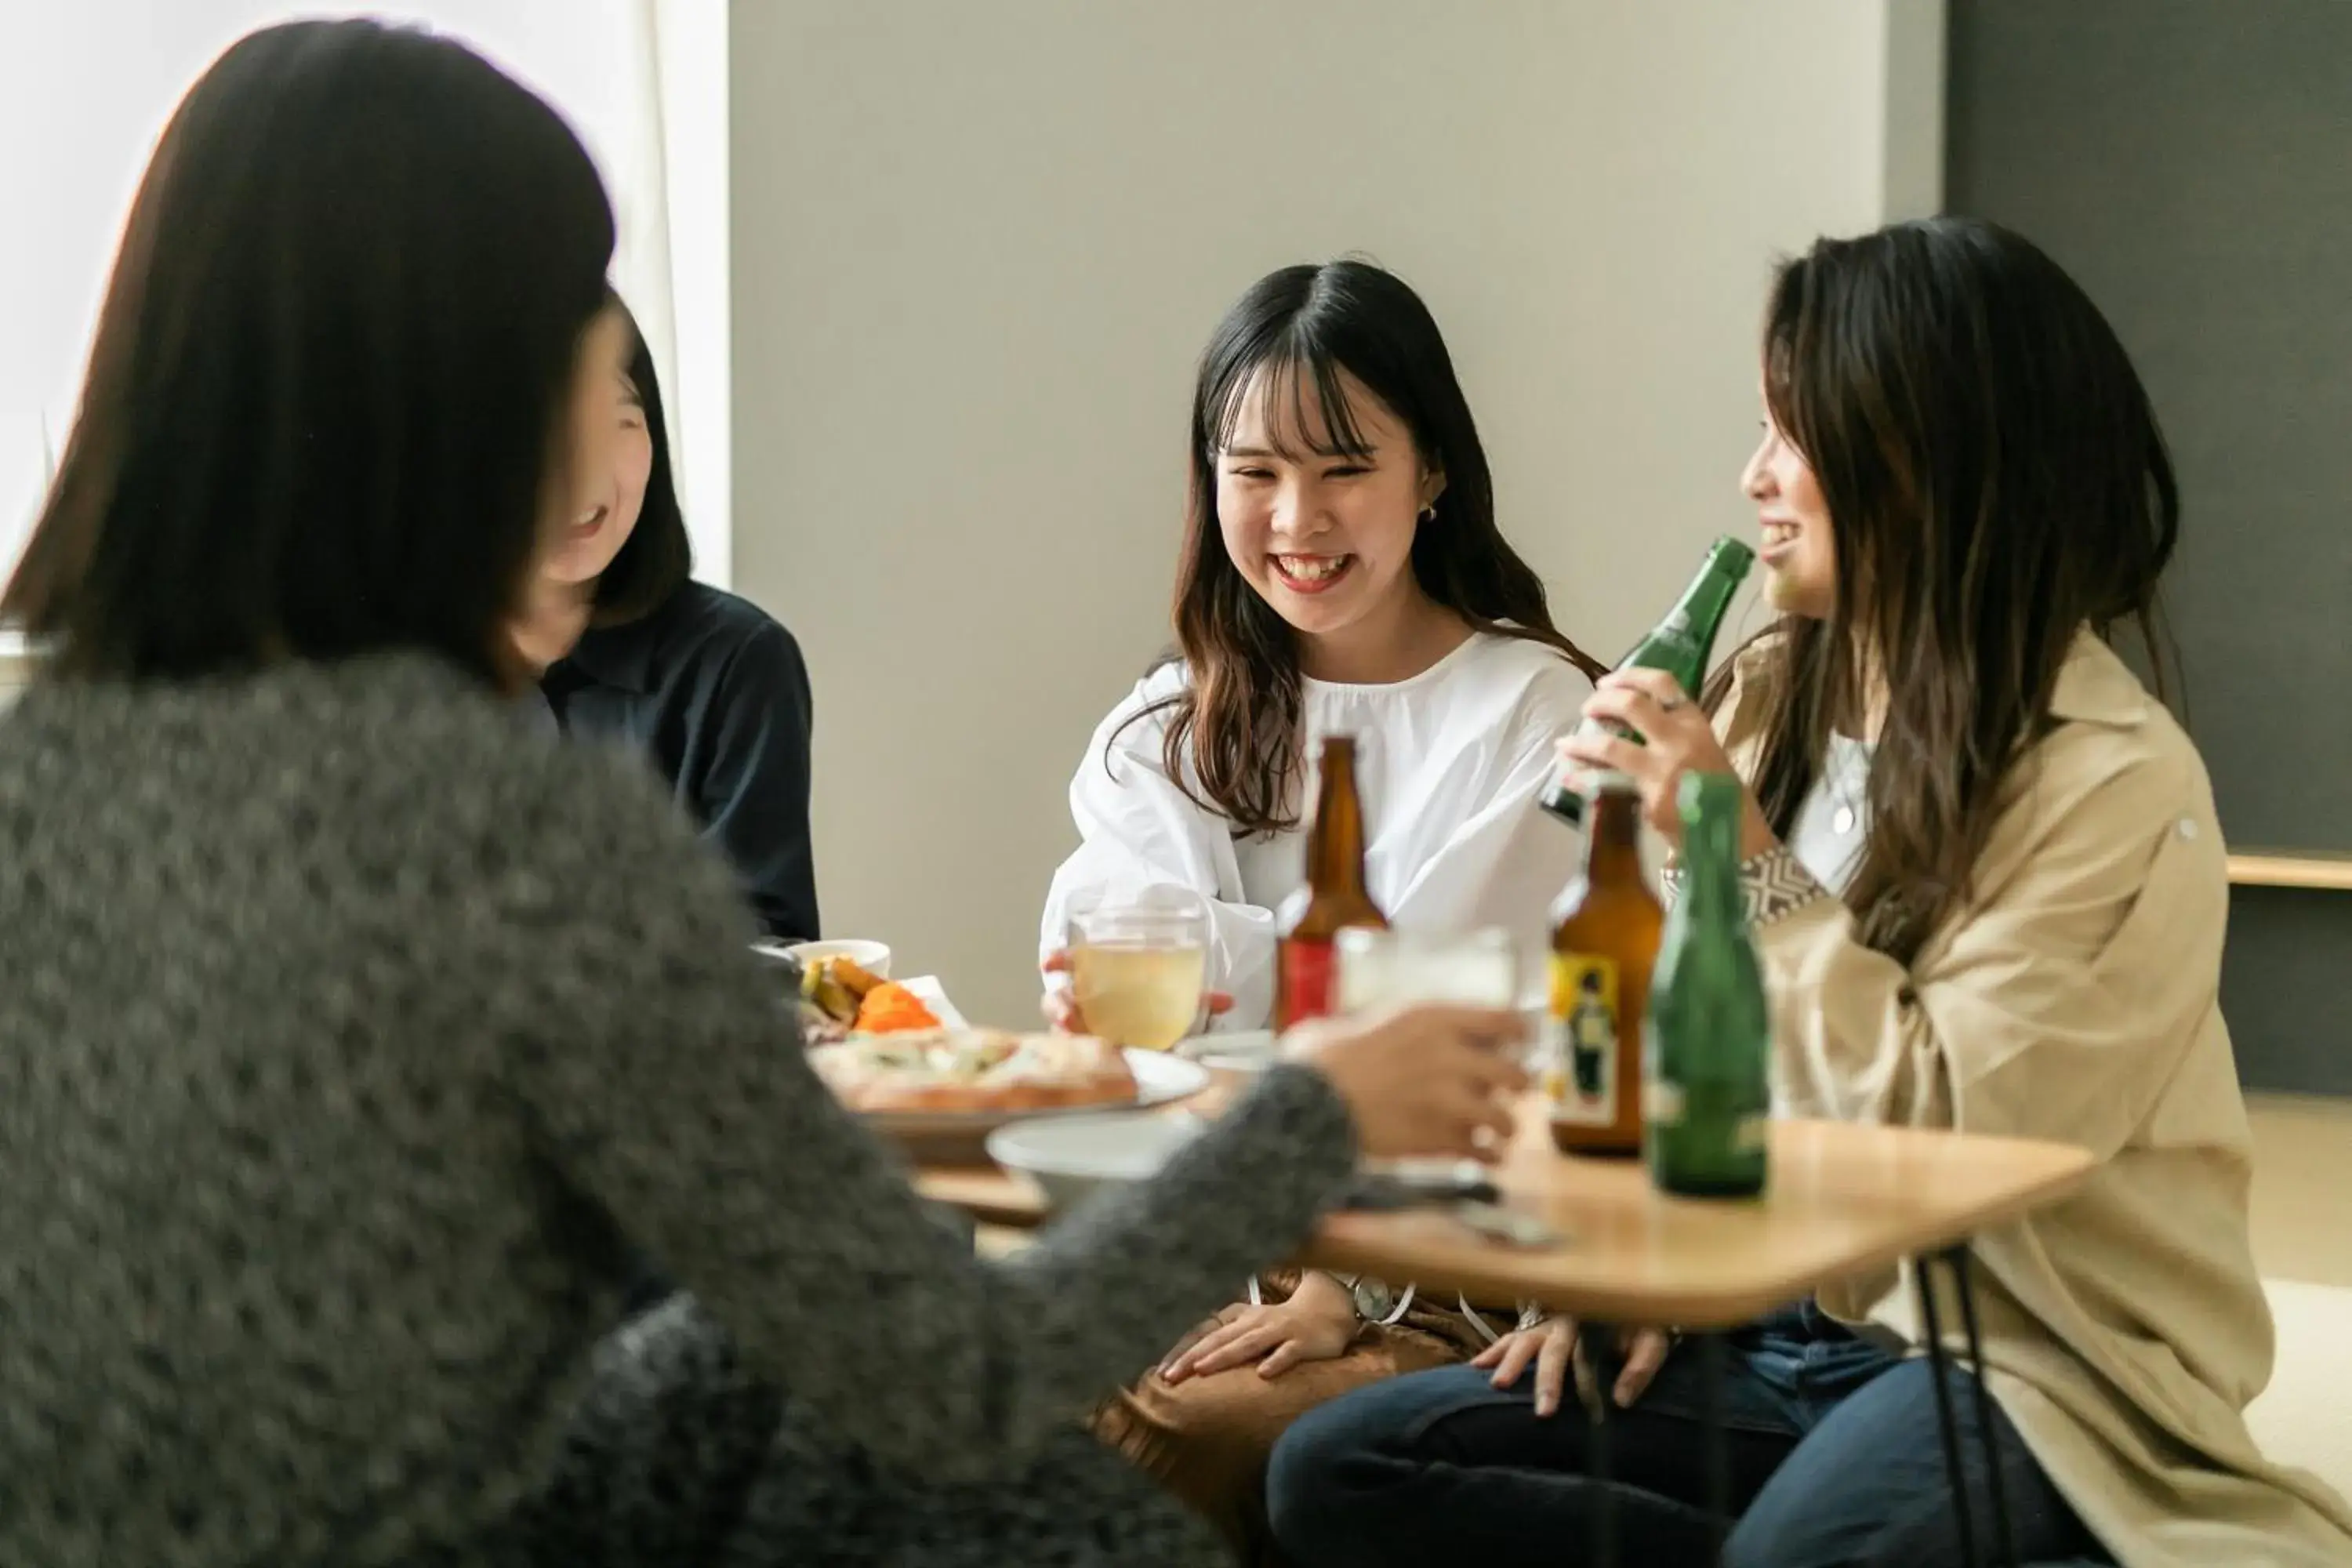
x: 1280, y: 379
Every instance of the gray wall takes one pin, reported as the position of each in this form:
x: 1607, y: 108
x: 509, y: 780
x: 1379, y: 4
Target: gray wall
x: 978, y: 247
x: 2190, y: 162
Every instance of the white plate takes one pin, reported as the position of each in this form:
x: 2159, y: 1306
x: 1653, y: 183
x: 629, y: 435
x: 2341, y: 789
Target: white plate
x: 1159, y: 1078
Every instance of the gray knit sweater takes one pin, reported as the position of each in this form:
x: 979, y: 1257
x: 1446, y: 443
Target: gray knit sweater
x: 350, y: 1036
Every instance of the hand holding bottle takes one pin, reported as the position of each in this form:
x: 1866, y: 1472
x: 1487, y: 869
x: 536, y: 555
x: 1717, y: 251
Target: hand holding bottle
x: 1677, y: 739
x: 1679, y: 647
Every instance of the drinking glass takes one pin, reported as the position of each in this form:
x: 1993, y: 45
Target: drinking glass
x: 1138, y: 966
x: 1383, y: 969
x: 1478, y: 968
x: 1379, y: 969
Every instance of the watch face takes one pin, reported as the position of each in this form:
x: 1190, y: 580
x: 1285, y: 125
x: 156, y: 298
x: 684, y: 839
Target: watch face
x: 1374, y: 1299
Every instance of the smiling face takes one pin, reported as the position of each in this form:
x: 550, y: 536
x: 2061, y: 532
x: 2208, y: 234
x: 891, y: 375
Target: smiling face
x: 1319, y: 523
x: 1797, y: 548
x: 614, y: 457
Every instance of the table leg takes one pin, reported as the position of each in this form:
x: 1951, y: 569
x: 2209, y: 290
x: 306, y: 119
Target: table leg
x: 2005, y: 1531
x: 1939, y: 1373
x: 1600, y: 1469
x: 1715, y: 1357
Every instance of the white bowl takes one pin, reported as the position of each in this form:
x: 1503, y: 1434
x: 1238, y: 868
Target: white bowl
x: 874, y: 957
x: 1071, y: 1158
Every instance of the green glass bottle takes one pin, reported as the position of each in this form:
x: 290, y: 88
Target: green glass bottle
x: 1682, y: 645
x: 1705, y: 1099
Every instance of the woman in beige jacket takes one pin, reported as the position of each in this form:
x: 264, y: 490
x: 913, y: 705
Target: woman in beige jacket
x: 1989, y: 894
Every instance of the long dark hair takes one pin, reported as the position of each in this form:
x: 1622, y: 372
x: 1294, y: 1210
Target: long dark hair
x: 1996, y: 482
x: 658, y: 557
x: 324, y: 403
x: 1234, y: 740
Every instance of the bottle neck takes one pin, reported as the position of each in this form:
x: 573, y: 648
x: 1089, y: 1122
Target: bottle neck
x: 1334, y: 844
x: 1710, y: 870
x: 1612, y: 846
x: 1702, y: 605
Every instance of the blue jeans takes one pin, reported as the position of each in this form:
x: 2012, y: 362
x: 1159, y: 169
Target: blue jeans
x: 1834, y: 1459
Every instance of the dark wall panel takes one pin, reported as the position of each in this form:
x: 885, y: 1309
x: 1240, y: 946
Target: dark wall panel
x: 2190, y: 162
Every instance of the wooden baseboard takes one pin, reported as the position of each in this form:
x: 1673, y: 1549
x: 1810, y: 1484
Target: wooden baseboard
x: 2316, y: 870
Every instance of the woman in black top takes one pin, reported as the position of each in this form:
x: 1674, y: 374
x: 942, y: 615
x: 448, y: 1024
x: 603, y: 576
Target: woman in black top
x: 704, y: 683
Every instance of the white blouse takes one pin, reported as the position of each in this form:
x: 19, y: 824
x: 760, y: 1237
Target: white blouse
x: 1449, y: 765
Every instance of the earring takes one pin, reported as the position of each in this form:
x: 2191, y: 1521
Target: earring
x: 1429, y: 512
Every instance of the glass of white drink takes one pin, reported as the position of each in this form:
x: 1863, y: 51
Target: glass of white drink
x: 1138, y: 966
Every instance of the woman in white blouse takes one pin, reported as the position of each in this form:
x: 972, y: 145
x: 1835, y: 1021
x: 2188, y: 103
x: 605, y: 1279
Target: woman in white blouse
x: 1342, y: 572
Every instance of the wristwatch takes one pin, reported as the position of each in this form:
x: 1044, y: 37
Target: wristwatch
x: 1377, y: 1301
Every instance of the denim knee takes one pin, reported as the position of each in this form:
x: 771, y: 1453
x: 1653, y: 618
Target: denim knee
x: 1337, y: 1487
x: 1324, y: 1497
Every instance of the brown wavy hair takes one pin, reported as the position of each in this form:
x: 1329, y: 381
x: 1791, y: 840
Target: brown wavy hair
x: 1234, y: 740
x: 1996, y: 482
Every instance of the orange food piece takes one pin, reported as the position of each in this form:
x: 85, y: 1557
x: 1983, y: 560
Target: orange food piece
x: 856, y: 981
x: 891, y: 1009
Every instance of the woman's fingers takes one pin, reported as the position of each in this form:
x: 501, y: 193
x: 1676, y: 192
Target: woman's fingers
x: 1643, y: 1357
x: 1599, y: 752
x: 1240, y: 1350
x: 1186, y: 1346
x: 1628, y: 706
x: 1189, y: 1359
x: 1551, y: 1365
x: 1469, y: 1123
x: 1200, y: 1332
x: 1655, y: 684
x: 1282, y: 1358
x: 1518, y: 1349
x: 1062, y: 1015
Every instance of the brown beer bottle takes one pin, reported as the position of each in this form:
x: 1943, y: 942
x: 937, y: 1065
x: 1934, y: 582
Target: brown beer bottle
x: 1333, y: 897
x: 1605, y: 941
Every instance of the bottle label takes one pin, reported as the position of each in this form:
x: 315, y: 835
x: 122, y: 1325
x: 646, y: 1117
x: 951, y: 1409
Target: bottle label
x: 1306, y: 976
x: 1662, y: 1103
x: 1586, y: 1023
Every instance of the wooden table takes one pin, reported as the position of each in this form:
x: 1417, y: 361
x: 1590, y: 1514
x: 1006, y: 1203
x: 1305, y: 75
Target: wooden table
x: 1844, y: 1200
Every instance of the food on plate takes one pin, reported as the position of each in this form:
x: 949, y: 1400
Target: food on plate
x: 972, y: 1070
x: 818, y: 1026
x: 837, y: 998
x: 838, y: 987
x: 892, y: 1009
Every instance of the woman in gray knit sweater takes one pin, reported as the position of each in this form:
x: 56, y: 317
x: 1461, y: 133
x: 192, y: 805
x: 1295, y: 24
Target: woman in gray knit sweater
x: 352, y: 1037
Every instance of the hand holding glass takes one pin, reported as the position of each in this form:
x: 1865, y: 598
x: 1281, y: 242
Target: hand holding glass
x: 1381, y: 969
x: 1137, y: 967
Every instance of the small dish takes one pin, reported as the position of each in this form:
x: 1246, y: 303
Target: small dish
x: 1071, y: 1158
x: 874, y: 957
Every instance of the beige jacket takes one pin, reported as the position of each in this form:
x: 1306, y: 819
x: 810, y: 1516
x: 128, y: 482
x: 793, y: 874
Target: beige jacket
x: 2075, y: 999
